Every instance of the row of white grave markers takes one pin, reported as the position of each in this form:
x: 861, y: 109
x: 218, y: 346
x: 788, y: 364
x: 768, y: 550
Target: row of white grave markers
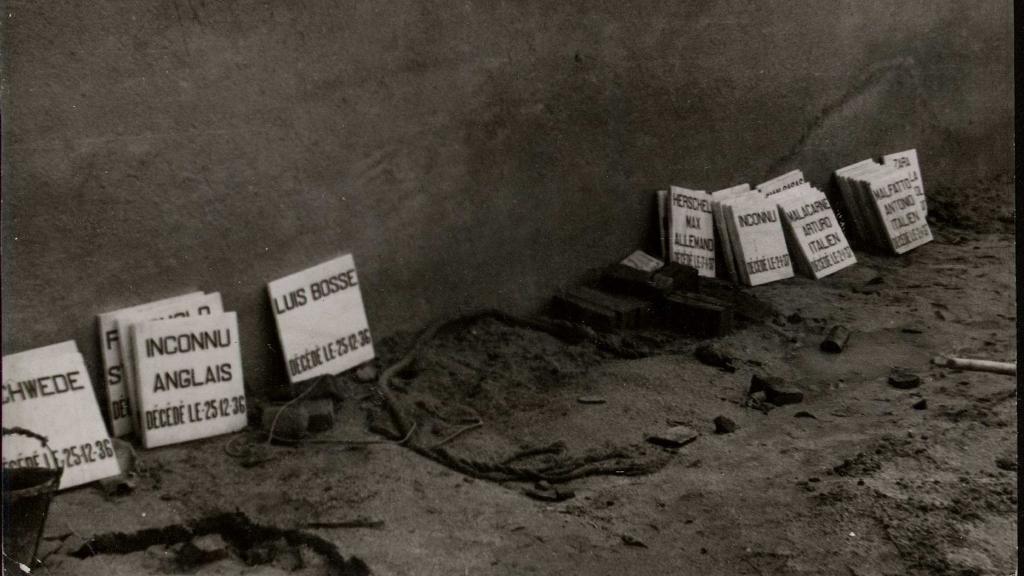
x: 172, y: 370
x: 762, y: 233
x: 47, y: 391
x: 887, y: 202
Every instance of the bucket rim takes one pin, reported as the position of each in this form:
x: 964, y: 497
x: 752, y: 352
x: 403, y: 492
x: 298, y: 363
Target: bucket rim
x: 48, y: 480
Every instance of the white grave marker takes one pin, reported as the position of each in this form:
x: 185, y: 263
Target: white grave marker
x: 722, y: 235
x: 761, y: 241
x: 205, y: 304
x: 821, y: 247
x: 50, y: 394
x: 858, y: 229
x: 190, y: 382
x: 118, y: 408
x: 897, y: 206
x: 66, y: 347
x: 320, y: 319
x: 908, y: 159
x: 692, y: 229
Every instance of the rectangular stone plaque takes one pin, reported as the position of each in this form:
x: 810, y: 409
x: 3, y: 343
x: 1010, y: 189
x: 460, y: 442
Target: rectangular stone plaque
x: 320, y: 319
x: 897, y: 206
x: 851, y: 204
x: 50, y: 394
x: 118, y: 409
x: 819, y: 242
x: 190, y: 383
x: 761, y: 241
x: 692, y: 229
x: 205, y: 304
x: 908, y: 159
x: 781, y: 183
x: 722, y: 236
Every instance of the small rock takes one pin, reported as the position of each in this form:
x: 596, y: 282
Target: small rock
x: 542, y: 485
x: 716, y: 356
x: 724, y: 425
x: 804, y: 414
x: 904, y: 379
x: 321, y: 414
x: 367, y: 373
x: 912, y: 330
x: 794, y: 318
x: 126, y: 457
x: 290, y: 422
x: 591, y: 400
x: 781, y: 396
x: 210, y: 543
x: 202, y: 550
x: 550, y: 495
x: 674, y: 437
x: 119, y: 485
x: 629, y: 540
x: 775, y: 390
x: 921, y: 404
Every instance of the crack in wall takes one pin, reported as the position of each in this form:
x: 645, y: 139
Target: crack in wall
x: 874, y: 76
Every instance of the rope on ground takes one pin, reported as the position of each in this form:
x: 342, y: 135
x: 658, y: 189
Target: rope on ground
x: 614, y: 462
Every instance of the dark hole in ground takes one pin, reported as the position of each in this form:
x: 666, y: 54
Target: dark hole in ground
x: 253, y: 543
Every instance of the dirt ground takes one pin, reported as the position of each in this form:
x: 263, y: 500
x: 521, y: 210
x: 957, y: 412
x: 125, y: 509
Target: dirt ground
x: 858, y: 479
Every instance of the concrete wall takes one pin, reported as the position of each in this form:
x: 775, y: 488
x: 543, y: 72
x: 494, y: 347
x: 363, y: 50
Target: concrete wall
x: 468, y: 153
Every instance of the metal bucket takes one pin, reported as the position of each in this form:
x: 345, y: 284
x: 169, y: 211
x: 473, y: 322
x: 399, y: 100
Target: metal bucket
x: 26, y: 499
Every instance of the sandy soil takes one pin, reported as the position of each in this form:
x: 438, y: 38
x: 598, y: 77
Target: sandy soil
x: 853, y: 481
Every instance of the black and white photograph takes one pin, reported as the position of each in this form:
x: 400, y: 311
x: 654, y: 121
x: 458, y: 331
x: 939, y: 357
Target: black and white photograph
x: 500, y: 288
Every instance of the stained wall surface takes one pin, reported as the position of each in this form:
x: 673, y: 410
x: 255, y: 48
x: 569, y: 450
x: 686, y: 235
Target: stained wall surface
x: 475, y: 153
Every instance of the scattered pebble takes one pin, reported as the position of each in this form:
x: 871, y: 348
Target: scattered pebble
x: 367, y: 372
x: 716, y: 356
x: 724, y: 425
x: 591, y: 400
x: 775, y: 390
x: 629, y: 540
x: 921, y: 404
x: 904, y: 379
x: 674, y: 437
